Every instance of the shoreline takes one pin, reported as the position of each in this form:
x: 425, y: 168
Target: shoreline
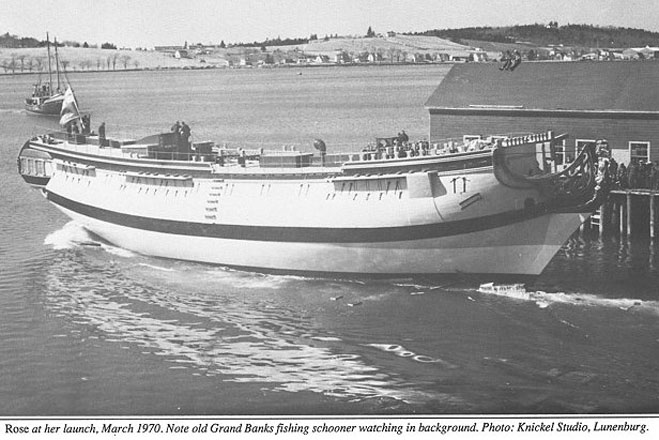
x: 283, y: 66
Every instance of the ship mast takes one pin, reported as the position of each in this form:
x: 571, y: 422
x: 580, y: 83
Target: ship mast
x: 50, y: 72
x: 57, y: 66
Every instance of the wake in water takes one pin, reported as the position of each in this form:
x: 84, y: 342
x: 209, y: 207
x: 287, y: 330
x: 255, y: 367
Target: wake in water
x: 12, y: 111
x: 545, y: 299
x: 73, y: 235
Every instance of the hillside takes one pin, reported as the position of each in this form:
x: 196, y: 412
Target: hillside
x: 403, y: 43
x: 17, y: 60
x: 553, y: 34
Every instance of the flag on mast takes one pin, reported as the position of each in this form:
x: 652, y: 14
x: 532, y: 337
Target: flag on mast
x: 70, y: 110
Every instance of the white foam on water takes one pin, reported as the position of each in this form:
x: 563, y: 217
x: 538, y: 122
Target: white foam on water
x: 401, y: 351
x: 73, y: 235
x: 68, y: 237
x: 326, y: 338
x: 12, y: 111
x: 545, y: 299
x: 119, y: 252
x: 153, y: 266
x: 247, y: 280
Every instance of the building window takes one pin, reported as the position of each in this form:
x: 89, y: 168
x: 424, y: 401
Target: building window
x: 639, y: 151
x: 560, y: 153
x: 581, y: 143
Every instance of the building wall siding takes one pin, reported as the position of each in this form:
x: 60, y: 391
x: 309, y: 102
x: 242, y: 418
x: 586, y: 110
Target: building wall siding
x: 618, y: 132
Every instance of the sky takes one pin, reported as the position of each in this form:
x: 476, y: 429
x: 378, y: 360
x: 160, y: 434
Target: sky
x: 148, y: 23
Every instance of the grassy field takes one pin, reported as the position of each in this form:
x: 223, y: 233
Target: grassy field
x: 79, y: 59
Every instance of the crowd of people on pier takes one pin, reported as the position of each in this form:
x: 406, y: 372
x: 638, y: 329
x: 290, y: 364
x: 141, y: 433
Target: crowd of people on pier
x: 637, y: 175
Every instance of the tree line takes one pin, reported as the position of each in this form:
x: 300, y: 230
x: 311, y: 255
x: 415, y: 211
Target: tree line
x: 24, y: 63
x: 542, y: 35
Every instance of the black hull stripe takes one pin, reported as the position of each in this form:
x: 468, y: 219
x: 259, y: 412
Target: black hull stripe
x: 298, y: 234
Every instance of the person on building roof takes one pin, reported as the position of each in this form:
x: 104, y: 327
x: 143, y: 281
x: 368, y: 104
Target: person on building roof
x: 507, y: 59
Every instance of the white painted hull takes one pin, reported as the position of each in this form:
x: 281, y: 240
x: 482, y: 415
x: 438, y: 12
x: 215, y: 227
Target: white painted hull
x: 427, y: 215
x: 523, y: 248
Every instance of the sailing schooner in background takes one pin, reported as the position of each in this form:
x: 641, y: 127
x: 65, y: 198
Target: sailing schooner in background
x: 45, y: 99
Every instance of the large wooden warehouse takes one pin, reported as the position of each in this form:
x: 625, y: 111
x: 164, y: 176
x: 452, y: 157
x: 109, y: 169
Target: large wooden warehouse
x: 617, y: 101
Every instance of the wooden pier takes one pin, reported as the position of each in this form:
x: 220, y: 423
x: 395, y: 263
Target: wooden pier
x: 626, y: 212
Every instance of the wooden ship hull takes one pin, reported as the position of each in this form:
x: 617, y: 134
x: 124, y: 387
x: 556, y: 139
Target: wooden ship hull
x: 496, y: 209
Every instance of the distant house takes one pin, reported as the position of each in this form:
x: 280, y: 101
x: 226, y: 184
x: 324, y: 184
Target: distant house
x: 644, y: 53
x: 341, y: 56
x: 418, y: 58
x: 374, y: 57
x: 477, y: 55
x: 181, y: 54
x: 591, y: 56
x: 460, y: 58
x: 322, y: 59
x: 441, y: 57
x: 613, y: 100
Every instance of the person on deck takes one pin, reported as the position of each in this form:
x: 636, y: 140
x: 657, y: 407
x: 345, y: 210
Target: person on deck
x: 185, y: 135
x: 86, y: 124
x: 101, y: 131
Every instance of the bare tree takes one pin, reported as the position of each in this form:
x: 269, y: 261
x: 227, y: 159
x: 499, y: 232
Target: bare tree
x: 64, y: 64
x: 12, y: 64
x: 136, y: 64
x: 114, y: 61
x: 38, y: 61
x: 99, y: 63
x: 124, y: 60
x: 30, y: 63
x: 21, y: 58
x: 108, y: 61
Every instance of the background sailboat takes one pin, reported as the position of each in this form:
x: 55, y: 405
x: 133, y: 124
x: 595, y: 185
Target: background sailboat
x: 45, y: 99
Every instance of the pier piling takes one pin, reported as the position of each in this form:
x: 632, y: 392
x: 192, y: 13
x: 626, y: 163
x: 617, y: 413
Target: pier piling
x: 652, y: 216
x: 629, y: 213
x: 618, y: 209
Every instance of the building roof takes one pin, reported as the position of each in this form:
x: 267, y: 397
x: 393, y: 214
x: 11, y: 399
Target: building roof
x: 614, y: 85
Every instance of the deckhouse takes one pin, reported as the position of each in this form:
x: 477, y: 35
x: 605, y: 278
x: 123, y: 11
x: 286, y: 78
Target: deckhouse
x: 617, y: 101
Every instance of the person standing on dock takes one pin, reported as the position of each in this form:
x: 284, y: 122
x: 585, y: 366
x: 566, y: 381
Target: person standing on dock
x: 621, y: 177
x: 654, y: 176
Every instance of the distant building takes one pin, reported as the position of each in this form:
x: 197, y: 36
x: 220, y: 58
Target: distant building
x: 322, y: 59
x: 644, y: 53
x: 182, y: 54
x: 167, y: 49
x: 374, y: 57
x: 478, y: 56
x: 341, y: 57
x: 617, y: 101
